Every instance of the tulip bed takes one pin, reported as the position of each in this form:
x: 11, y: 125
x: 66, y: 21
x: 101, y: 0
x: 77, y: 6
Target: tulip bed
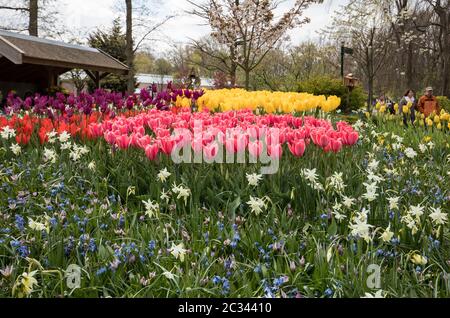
x: 101, y: 191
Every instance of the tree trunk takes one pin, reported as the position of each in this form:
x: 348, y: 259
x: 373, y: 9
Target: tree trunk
x: 247, y: 79
x: 409, y: 67
x: 129, y: 48
x: 370, y: 98
x: 33, y: 18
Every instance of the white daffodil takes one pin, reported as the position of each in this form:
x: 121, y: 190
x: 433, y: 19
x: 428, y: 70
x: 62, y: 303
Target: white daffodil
x: 371, y: 192
x: 16, y: 149
x: 165, y: 196
x: 36, y: 226
x: 423, y: 148
x: 52, y: 136
x: 64, y: 137
x: 7, y: 133
x: 66, y: 146
x: 378, y: 294
x: 410, y: 223
x: 151, y: 208
x: 178, y: 251
x: 254, y: 179
x: 410, y: 153
x: 374, y: 178
x: 310, y: 175
x: 339, y: 216
x: 438, y: 217
x: 348, y: 202
x: 257, y: 205
x: 416, y: 211
x: 361, y: 229
x: 49, y: 155
x: 92, y: 166
x: 387, y: 235
x: 373, y: 165
x: 163, y: 175
x: 336, y: 182
x: 169, y: 275
x: 393, y: 203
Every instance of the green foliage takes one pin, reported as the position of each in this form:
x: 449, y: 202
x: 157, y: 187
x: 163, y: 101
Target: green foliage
x: 444, y: 101
x: 114, y: 43
x: 328, y: 86
x: 97, y: 221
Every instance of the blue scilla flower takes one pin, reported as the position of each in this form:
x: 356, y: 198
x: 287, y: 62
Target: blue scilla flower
x: 121, y: 221
x: 101, y: 271
x: 206, y: 237
x: 216, y: 280
x: 21, y: 249
x: 329, y: 293
x: 258, y: 269
x: 20, y: 223
x: 112, y: 199
x: 225, y: 286
x: 104, y: 226
x: 152, y: 245
x: 220, y: 226
x: 92, y: 246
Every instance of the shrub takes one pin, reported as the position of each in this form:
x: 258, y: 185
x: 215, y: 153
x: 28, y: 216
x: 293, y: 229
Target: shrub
x: 444, y: 102
x: 328, y: 86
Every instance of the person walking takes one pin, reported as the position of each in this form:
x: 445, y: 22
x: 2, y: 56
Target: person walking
x: 407, y: 107
x: 428, y: 104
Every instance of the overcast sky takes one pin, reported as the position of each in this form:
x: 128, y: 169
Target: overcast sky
x: 86, y: 15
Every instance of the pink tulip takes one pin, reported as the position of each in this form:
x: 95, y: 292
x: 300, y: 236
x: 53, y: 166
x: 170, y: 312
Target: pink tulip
x: 110, y: 137
x: 351, y: 138
x: 151, y: 151
x: 167, y: 144
x: 123, y: 141
x: 275, y: 151
x: 145, y: 141
x: 336, y: 145
x: 256, y: 148
x: 211, y: 151
x: 297, y: 148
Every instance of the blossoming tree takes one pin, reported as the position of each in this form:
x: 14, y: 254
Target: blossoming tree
x: 251, y: 27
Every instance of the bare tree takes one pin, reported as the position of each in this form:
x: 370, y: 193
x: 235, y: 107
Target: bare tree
x: 139, y: 28
x: 28, y: 15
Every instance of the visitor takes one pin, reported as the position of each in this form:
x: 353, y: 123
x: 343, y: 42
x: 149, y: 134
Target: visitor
x: 428, y: 104
x: 409, y: 98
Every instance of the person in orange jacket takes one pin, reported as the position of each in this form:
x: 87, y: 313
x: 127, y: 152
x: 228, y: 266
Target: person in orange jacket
x: 428, y: 103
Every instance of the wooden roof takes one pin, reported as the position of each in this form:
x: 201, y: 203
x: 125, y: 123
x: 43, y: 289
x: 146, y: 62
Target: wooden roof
x: 24, y: 49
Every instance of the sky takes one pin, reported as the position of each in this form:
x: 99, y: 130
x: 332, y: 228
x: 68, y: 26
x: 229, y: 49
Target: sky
x: 87, y: 15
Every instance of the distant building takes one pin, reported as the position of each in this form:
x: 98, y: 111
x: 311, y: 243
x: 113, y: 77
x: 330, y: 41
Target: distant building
x: 147, y: 80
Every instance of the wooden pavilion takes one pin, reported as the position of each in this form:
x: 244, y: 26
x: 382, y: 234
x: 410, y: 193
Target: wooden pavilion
x: 31, y: 64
